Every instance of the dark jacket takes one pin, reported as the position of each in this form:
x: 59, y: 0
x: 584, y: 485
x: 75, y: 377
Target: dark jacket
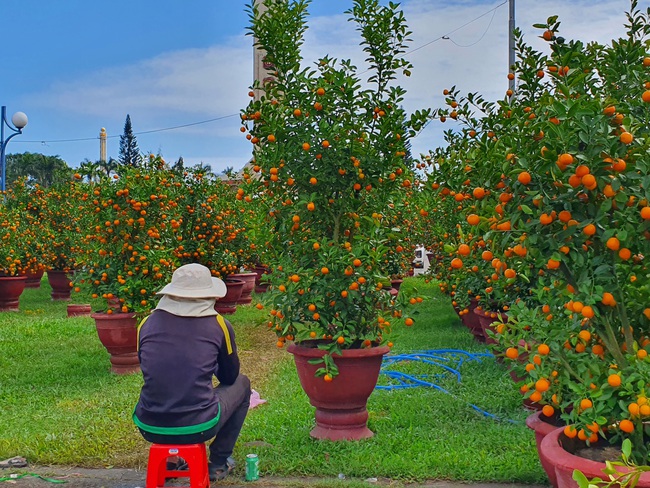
x: 178, y: 357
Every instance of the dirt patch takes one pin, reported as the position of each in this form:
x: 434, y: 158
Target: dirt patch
x: 260, y: 355
x: 600, y: 453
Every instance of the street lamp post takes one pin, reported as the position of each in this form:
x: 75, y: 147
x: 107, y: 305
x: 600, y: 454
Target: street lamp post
x: 19, y: 121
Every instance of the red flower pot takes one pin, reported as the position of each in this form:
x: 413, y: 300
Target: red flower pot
x: 542, y: 426
x: 79, y: 310
x: 60, y: 283
x: 11, y: 287
x: 247, y: 289
x: 228, y: 304
x: 556, y: 450
x: 260, y: 271
x: 118, y: 333
x: 470, y: 320
x: 395, y: 286
x: 34, y: 279
x: 486, y: 320
x: 341, y: 412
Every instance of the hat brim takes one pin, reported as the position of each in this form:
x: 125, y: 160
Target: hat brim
x: 217, y: 290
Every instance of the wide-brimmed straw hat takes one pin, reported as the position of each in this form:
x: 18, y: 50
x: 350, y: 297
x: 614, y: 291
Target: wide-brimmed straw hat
x: 194, y: 281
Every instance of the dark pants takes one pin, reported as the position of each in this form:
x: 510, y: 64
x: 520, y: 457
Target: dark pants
x: 234, y: 401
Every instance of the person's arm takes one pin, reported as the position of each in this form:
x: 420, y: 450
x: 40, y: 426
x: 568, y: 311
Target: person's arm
x: 227, y: 360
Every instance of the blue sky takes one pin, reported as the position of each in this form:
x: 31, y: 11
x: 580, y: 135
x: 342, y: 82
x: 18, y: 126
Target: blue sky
x: 75, y: 66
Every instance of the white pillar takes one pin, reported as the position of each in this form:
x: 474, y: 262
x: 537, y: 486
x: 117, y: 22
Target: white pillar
x: 102, y: 145
x: 261, y: 70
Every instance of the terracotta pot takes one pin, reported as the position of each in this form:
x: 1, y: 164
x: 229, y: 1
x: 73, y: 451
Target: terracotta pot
x: 470, y: 320
x: 60, y: 283
x: 557, y: 451
x: 341, y: 412
x: 261, y: 288
x: 79, y: 310
x: 34, y: 279
x: 542, y: 426
x: 260, y: 271
x: 395, y: 286
x: 486, y: 321
x: 11, y: 287
x: 228, y: 304
x: 119, y: 334
x: 247, y: 289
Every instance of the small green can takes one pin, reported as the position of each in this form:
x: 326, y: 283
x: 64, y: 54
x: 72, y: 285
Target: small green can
x: 252, y: 467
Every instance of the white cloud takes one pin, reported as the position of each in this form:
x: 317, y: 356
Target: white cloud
x: 187, y: 86
x: 196, y: 82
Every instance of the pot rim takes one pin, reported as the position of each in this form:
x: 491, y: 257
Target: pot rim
x: 560, y: 457
x: 112, y: 316
x: 310, y: 352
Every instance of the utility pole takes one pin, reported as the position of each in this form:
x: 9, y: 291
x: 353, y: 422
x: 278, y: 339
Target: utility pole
x: 511, y: 43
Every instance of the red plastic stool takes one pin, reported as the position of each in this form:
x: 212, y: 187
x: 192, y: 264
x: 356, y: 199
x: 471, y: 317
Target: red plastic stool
x: 193, y: 454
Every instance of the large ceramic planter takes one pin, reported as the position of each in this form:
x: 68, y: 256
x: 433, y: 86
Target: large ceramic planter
x: 395, y: 286
x: 11, y: 288
x: 228, y: 304
x: 341, y: 412
x: 79, y: 310
x: 486, y: 318
x: 60, y: 283
x: 541, y: 425
x: 556, y: 450
x: 260, y: 271
x: 118, y: 333
x: 34, y: 279
x: 247, y: 289
x: 470, y: 320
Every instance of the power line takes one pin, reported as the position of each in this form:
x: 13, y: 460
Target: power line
x: 184, y: 125
x: 442, y: 37
x: 446, y: 36
x: 141, y: 132
x: 482, y: 35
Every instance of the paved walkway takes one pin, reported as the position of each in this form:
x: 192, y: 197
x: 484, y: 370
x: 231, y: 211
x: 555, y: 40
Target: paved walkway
x: 130, y: 478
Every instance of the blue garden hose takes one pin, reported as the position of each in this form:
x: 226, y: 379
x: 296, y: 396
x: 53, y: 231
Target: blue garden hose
x: 449, y: 360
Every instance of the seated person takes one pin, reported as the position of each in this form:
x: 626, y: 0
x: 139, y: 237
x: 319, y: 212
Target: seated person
x: 181, y: 345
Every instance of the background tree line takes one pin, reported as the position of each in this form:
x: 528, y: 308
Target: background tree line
x: 39, y: 169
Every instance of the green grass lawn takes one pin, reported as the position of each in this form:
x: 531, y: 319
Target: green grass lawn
x: 59, y: 403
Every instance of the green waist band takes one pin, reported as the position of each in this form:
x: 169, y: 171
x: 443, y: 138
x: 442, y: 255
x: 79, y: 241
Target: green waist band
x: 186, y: 429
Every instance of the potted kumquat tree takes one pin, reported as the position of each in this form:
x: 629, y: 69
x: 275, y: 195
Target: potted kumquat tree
x: 330, y: 158
x: 15, y: 237
x: 61, y: 210
x: 29, y: 201
x: 143, y: 223
x: 564, y: 160
x: 128, y: 251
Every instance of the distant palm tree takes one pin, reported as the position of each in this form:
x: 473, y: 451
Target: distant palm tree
x: 90, y: 170
x: 204, y: 168
x: 108, y: 167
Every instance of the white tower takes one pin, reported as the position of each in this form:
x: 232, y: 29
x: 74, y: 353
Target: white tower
x: 262, y: 70
x: 102, y: 145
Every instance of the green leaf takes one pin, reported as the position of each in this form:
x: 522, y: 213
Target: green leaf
x: 580, y: 478
x: 627, y: 448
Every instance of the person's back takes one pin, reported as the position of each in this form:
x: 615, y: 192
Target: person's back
x: 182, y: 344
